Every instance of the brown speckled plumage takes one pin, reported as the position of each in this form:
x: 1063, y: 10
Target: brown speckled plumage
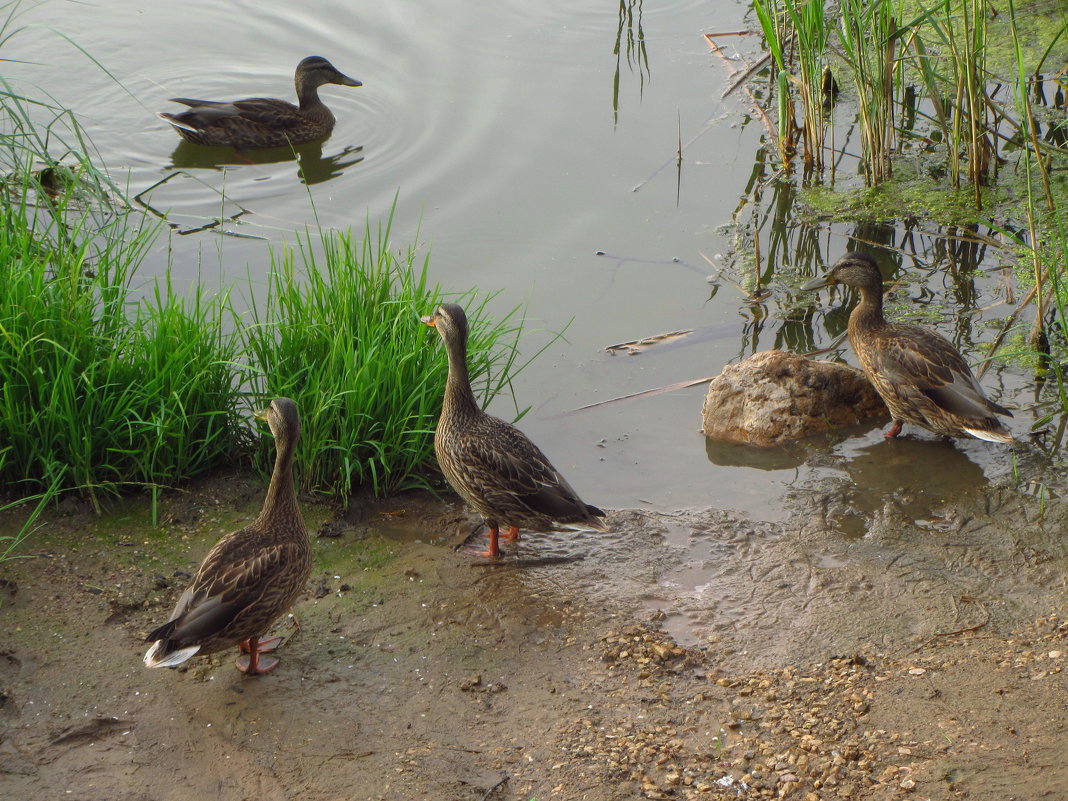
x: 252, y: 575
x: 921, y: 377
x: 257, y: 122
x: 491, y: 464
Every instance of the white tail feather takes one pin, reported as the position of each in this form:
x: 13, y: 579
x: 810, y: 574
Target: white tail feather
x: 155, y: 658
x: 164, y: 116
x: 990, y: 436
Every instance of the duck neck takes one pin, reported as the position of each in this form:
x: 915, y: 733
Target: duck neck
x: 308, y: 94
x: 459, y: 399
x: 281, y: 497
x: 868, y: 313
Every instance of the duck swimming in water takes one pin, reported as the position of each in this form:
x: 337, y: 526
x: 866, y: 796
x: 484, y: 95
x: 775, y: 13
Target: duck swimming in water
x: 258, y: 122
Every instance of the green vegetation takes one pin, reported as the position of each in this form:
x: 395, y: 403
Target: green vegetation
x: 960, y: 123
x: 340, y: 334
x: 103, y: 390
x: 109, y: 384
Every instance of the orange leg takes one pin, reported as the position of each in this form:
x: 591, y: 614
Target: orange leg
x: 894, y: 430
x: 253, y: 665
x: 263, y: 644
x: 512, y: 534
x: 494, y: 551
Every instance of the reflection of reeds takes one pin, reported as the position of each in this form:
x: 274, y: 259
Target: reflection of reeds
x: 630, y: 44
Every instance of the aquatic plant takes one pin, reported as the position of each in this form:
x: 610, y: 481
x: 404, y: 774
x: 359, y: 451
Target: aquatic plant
x: 868, y: 39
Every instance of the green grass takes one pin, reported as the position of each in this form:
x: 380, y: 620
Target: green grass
x: 340, y: 334
x: 111, y: 384
x: 100, y: 389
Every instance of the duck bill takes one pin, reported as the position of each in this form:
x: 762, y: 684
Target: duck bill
x: 345, y: 80
x: 430, y: 320
x: 819, y: 283
x: 260, y: 415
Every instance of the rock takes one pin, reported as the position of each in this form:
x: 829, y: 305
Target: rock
x: 774, y: 397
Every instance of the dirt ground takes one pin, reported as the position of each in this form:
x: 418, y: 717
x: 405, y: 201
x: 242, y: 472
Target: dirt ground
x: 821, y: 668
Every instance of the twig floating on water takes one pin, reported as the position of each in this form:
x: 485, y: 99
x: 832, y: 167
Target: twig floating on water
x: 638, y: 345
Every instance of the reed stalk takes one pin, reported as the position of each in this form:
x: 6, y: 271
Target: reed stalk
x: 868, y: 35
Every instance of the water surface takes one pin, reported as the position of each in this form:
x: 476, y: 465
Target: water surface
x: 534, y: 152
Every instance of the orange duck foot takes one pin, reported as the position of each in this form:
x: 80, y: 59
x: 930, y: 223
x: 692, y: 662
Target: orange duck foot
x: 263, y: 644
x: 252, y: 664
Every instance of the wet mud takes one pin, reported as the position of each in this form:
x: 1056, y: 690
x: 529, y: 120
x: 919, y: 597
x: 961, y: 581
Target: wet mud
x: 696, y: 654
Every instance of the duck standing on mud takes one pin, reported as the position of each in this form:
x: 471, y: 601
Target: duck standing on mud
x: 250, y: 577
x: 491, y: 464
x: 919, y: 375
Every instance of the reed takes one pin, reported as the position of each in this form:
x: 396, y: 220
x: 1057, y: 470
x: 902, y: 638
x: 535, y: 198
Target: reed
x: 810, y: 24
x: 339, y: 333
x: 868, y: 36
x: 773, y: 25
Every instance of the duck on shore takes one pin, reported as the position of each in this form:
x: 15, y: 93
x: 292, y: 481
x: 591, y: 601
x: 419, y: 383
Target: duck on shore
x: 251, y: 576
x: 491, y: 464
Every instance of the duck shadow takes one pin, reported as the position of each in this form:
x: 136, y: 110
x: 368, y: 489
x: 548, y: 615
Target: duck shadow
x: 312, y: 166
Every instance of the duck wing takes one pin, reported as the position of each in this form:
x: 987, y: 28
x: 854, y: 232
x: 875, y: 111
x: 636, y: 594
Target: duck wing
x: 909, y: 356
x: 235, y: 588
x: 517, y: 473
x: 266, y: 112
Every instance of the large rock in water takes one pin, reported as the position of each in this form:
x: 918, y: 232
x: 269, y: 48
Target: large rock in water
x: 774, y: 397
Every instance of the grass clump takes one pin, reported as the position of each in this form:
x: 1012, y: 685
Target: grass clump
x: 340, y: 334
x: 100, y: 390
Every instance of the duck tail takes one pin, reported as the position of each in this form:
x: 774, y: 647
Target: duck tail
x: 159, y: 656
x: 991, y: 436
x: 595, y: 515
x: 177, y: 123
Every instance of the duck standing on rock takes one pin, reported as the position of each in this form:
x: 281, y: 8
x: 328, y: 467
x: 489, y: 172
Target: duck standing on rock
x: 491, y: 464
x: 258, y: 122
x: 919, y: 375
x: 250, y: 577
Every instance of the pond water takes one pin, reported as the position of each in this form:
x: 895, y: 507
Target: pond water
x: 534, y: 152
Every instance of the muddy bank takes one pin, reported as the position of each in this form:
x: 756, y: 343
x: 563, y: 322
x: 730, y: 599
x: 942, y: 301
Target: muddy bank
x: 688, y: 655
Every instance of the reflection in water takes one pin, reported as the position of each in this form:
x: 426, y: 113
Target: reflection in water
x: 313, y: 167
x: 781, y: 457
x: 916, y: 477
x: 630, y: 41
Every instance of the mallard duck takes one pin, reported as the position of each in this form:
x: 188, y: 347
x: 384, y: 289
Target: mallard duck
x: 921, y: 377
x: 491, y: 464
x: 263, y: 121
x: 250, y: 577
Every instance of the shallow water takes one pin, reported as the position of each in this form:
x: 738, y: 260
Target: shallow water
x: 535, y: 154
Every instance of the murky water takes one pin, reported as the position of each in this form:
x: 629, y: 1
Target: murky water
x: 534, y: 151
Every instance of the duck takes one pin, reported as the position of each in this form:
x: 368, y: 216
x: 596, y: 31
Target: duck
x: 491, y: 464
x: 250, y: 577
x: 258, y: 122
x: 920, y: 376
